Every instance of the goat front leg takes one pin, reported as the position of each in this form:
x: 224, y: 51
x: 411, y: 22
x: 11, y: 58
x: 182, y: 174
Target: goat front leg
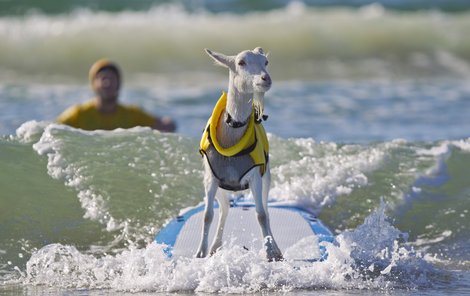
x: 223, y: 212
x: 210, y: 187
x: 260, y: 189
x: 266, y: 181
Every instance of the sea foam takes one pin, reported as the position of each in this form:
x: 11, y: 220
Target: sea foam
x: 353, y: 263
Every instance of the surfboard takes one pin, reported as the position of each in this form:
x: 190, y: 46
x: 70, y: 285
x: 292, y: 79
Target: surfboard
x: 298, y: 232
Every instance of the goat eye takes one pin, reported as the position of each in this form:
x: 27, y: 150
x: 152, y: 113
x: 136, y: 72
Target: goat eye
x: 266, y: 63
x: 241, y: 63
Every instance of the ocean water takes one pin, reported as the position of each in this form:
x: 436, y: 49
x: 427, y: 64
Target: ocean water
x: 368, y: 127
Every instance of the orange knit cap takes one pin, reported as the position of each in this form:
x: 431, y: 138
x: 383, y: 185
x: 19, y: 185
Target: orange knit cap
x: 100, y: 65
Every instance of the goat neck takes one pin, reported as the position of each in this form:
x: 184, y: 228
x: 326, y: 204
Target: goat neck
x: 239, y: 106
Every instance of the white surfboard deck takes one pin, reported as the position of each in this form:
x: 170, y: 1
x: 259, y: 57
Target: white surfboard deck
x: 298, y: 233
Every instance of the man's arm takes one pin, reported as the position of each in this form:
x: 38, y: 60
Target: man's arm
x: 164, y: 124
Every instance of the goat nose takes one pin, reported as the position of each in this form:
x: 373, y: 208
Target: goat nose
x: 266, y: 77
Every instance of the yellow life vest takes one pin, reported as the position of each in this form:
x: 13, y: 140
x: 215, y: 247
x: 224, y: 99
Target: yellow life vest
x: 254, y: 142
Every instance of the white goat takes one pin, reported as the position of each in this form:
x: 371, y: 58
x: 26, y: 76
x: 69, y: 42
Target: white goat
x: 236, y: 115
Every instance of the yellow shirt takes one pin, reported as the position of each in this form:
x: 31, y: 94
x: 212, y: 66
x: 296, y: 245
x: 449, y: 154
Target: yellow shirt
x: 86, y: 116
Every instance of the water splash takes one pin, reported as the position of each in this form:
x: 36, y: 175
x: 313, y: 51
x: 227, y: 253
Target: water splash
x: 372, y: 256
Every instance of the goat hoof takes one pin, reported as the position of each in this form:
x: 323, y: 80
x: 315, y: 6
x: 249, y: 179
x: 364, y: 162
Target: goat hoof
x: 214, y: 249
x: 200, y: 254
x: 275, y: 257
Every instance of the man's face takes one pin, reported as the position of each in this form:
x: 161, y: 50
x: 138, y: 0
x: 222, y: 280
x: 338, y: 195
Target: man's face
x: 106, y: 85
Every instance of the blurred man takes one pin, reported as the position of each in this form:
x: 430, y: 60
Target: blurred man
x: 105, y: 112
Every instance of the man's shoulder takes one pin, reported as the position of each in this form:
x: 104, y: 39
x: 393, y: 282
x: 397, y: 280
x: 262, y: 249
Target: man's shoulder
x: 87, y: 106
x: 75, y: 111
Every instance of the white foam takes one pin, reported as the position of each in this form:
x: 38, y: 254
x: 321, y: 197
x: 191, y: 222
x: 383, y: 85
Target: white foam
x: 31, y: 131
x: 441, y: 149
x: 464, y: 145
x: 59, y: 167
x: 367, y: 257
x: 305, y: 248
x: 444, y: 148
x: 371, y: 238
x: 324, y: 171
x: 424, y: 240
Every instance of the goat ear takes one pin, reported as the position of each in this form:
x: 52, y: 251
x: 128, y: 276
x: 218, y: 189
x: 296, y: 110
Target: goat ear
x: 221, y: 59
x: 259, y: 50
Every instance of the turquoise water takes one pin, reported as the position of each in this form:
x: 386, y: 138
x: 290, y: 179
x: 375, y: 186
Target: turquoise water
x: 367, y: 123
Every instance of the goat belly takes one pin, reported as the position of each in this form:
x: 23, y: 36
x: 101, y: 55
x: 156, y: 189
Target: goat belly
x: 229, y: 171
